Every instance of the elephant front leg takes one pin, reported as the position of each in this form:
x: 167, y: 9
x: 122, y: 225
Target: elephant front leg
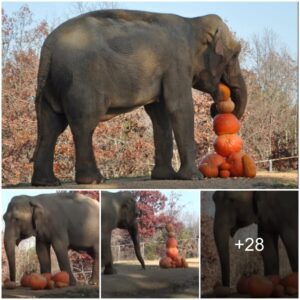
x: 179, y: 104
x: 162, y: 132
x: 95, y: 273
x: 43, y: 253
x: 106, y: 254
x: 270, y: 252
x: 61, y: 251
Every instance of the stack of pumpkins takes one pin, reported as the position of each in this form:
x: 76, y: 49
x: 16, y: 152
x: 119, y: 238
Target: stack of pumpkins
x: 173, y: 259
x: 37, y: 281
x: 258, y: 286
x: 229, y: 160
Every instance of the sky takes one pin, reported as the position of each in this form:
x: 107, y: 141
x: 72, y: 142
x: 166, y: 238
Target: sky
x: 244, y: 18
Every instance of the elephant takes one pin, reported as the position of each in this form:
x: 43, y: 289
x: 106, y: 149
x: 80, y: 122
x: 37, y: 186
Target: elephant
x: 274, y: 212
x: 65, y: 220
x: 109, y: 62
x: 118, y: 210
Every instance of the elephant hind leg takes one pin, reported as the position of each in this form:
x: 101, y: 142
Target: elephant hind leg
x: 290, y: 241
x: 50, y: 126
x: 95, y: 272
x: 162, y: 132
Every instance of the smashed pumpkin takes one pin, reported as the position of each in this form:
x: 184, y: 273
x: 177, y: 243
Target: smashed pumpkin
x: 38, y: 281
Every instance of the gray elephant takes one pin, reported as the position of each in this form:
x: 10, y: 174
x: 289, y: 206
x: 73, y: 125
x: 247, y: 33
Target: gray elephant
x: 105, y: 63
x: 275, y: 213
x: 63, y: 220
x: 118, y: 210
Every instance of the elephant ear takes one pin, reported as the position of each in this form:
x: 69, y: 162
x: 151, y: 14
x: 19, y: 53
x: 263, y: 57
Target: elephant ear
x: 38, y: 217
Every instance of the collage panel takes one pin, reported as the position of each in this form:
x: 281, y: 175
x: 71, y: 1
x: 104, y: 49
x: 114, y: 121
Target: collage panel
x: 150, y: 244
x: 249, y: 244
x: 50, y: 244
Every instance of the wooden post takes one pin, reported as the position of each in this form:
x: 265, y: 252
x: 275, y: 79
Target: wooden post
x: 270, y: 166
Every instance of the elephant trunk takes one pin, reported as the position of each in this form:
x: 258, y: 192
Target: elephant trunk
x: 221, y: 234
x: 239, y: 95
x: 9, y: 245
x: 136, y: 242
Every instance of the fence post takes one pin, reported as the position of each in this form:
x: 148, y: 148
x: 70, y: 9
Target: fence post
x: 270, y: 166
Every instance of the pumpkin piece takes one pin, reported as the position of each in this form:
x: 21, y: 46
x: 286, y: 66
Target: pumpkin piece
x: 278, y: 291
x: 224, y: 166
x: 242, y: 285
x: 38, y: 282
x: 171, y: 242
x: 50, y: 285
x: 224, y: 92
x: 236, y: 164
x: 48, y: 276
x: 209, y: 165
x: 290, y: 280
x: 291, y: 291
x: 60, y: 284
x: 227, y: 144
x: 170, y: 227
x: 25, y: 280
x: 61, y: 277
x: 171, y: 234
x: 224, y: 173
x: 9, y: 285
x: 172, y: 252
x: 249, y: 166
x: 225, y: 106
x: 260, y: 287
x: 165, y: 262
x: 226, y: 124
x: 184, y: 263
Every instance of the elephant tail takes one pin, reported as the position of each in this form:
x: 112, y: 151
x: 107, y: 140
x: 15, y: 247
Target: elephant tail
x: 43, y: 73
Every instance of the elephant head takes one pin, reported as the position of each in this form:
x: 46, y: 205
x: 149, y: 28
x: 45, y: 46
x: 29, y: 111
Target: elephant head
x: 234, y: 210
x: 217, y: 61
x: 128, y: 220
x: 20, y: 223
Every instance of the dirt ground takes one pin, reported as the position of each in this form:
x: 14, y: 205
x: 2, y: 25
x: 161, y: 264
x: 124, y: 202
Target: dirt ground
x: 133, y: 282
x: 80, y: 291
x: 263, y: 180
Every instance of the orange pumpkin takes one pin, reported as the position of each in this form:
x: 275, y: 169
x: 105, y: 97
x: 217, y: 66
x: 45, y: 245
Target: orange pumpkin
x: 224, y: 166
x: 184, y: 263
x: 170, y: 227
x: 275, y: 279
x: 278, y: 291
x: 224, y: 173
x: 25, y: 280
x: 171, y: 242
x: 242, y: 285
x: 291, y: 291
x: 38, y: 282
x: 225, y: 106
x: 178, y: 261
x: 226, y: 124
x: 61, y: 277
x: 260, y: 287
x: 209, y: 165
x: 249, y: 166
x: 171, y: 234
x: 165, y: 262
x: 172, y: 252
x: 227, y: 144
x: 290, y: 280
x: 224, y: 92
x: 236, y: 164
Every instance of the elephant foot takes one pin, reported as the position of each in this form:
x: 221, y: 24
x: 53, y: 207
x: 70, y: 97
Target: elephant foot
x: 37, y: 180
x: 73, y: 281
x: 109, y: 271
x: 163, y: 173
x: 89, y: 178
x: 189, y: 174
